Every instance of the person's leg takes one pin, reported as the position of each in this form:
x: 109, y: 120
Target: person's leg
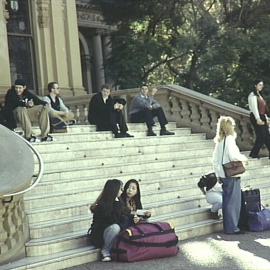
x: 41, y: 113
x: 214, y: 198
x: 231, y: 205
x: 259, y: 131
x: 162, y: 121
x: 21, y: 114
x: 144, y: 116
x: 109, y: 236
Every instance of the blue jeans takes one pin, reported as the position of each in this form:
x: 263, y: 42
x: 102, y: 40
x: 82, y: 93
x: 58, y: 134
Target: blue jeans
x: 109, y: 236
x: 231, y: 204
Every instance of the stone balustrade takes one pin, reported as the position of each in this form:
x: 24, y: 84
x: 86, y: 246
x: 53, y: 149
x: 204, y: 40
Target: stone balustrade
x: 186, y: 107
x: 13, y: 228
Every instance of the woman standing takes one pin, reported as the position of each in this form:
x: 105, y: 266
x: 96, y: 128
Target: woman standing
x: 225, y: 151
x: 258, y: 118
x: 110, y: 216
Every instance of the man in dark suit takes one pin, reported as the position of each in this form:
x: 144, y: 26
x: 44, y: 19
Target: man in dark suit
x: 107, y: 113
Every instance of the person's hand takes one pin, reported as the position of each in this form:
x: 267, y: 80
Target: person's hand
x: 136, y: 219
x: 120, y: 107
x: 147, y: 214
x: 30, y: 103
x: 116, y: 106
x: 260, y: 122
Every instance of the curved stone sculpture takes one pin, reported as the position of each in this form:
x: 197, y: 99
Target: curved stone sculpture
x: 16, y: 163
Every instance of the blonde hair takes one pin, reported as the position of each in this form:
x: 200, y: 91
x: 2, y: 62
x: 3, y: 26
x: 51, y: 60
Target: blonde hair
x: 225, y: 127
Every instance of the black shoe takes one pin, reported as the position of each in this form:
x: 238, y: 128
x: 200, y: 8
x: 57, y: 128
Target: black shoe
x: 240, y: 232
x: 49, y: 138
x: 119, y: 135
x: 32, y: 139
x: 214, y: 215
x: 151, y: 133
x: 165, y: 132
x: 253, y: 156
x: 127, y: 135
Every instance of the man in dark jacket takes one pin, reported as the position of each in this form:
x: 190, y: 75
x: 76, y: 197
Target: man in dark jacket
x: 107, y: 113
x: 27, y: 107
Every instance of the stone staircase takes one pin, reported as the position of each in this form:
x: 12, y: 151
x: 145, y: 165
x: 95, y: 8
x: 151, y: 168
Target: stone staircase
x: 78, y: 164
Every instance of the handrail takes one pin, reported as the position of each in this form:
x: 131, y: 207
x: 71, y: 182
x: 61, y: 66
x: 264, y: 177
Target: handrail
x: 38, y: 176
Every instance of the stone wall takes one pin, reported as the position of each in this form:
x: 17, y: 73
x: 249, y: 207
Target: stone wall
x: 14, y: 230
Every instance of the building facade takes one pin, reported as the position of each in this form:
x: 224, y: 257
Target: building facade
x: 53, y: 40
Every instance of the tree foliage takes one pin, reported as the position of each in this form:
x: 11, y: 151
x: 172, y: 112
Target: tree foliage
x: 217, y: 47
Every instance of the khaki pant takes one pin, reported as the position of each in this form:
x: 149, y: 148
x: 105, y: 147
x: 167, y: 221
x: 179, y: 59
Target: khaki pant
x: 38, y: 113
x: 69, y: 116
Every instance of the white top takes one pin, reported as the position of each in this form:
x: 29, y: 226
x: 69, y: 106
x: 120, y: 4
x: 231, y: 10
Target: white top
x: 253, y: 105
x: 231, y: 153
x: 63, y: 107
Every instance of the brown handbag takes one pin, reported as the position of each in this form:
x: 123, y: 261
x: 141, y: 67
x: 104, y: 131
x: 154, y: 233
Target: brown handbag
x: 232, y: 168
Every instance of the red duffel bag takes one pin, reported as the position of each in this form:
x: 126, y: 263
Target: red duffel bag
x: 145, y: 241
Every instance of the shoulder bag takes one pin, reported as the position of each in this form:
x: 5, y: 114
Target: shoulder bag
x: 232, y: 168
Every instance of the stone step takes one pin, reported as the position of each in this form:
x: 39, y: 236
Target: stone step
x: 60, y: 260
x: 131, y: 127
x: 46, y: 187
x: 146, y: 186
x: 44, y: 147
x: 81, y: 218
x: 175, y: 158
x: 62, y: 242
x: 101, y: 153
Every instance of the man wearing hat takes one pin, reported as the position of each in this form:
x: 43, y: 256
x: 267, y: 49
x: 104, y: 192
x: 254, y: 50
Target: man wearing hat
x: 26, y: 107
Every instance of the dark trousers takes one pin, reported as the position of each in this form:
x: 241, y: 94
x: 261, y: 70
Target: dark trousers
x: 114, y: 122
x: 262, y: 135
x: 146, y: 116
x: 231, y: 204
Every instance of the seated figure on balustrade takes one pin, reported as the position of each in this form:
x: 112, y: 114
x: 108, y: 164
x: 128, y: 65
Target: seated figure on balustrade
x: 60, y: 115
x: 25, y: 107
x: 107, y: 113
x: 143, y: 110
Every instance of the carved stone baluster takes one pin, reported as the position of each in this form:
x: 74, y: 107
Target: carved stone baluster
x: 185, y: 113
x: 195, y: 117
x: 3, y: 232
x: 85, y: 110
x: 78, y: 114
x: 213, y: 124
x: 175, y: 108
x: 247, y: 135
x: 9, y: 225
x: 205, y: 120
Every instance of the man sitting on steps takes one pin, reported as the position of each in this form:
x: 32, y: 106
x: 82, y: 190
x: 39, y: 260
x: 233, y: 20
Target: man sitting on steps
x: 60, y: 115
x: 27, y: 107
x: 144, y: 108
x: 107, y: 113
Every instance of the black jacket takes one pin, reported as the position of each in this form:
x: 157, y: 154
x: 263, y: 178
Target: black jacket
x: 101, y: 220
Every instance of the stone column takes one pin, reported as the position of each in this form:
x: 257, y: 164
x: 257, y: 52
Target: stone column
x: 98, y: 61
x: 57, y: 45
x: 107, y: 51
x: 5, y: 80
x: 73, y: 49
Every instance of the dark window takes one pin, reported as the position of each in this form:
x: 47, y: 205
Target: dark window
x: 20, y: 42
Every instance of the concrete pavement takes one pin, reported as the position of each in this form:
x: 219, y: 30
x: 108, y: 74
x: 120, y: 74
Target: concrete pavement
x: 250, y: 251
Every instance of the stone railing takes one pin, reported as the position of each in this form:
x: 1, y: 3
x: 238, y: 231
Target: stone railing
x: 13, y: 229
x: 185, y: 107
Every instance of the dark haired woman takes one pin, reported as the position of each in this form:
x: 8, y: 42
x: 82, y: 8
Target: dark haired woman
x: 131, y: 196
x: 110, y: 216
x: 258, y: 118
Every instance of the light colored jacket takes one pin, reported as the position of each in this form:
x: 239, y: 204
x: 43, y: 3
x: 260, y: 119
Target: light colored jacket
x: 231, y: 153
x: 253, y: 105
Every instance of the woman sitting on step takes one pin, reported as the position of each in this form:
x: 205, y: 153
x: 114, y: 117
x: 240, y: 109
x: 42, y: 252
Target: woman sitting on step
x: 131, y: 196
x: 110, y: 216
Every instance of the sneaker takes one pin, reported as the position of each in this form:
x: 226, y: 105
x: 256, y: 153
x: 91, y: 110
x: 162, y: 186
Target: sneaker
x: 106, y: 259
x: 151, y: 133
x: 165, y: 132
x: 49, y: 138
x: 32, y: 139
